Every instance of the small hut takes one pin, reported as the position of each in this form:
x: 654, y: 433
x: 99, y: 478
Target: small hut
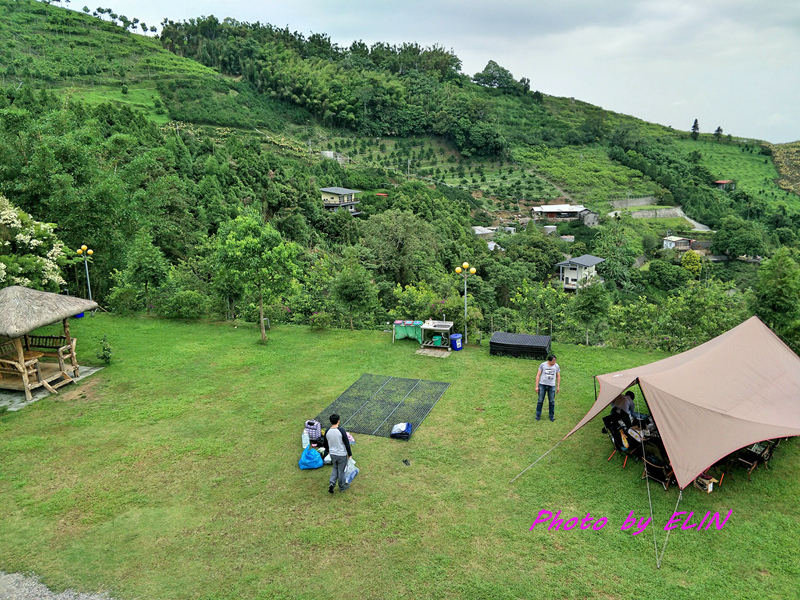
x: 31, y: 361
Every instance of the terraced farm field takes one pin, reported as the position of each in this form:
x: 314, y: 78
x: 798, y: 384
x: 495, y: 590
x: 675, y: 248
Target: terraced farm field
x: 755, y: 173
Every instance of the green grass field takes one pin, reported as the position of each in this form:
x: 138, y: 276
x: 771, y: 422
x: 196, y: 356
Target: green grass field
x: 173, y: 474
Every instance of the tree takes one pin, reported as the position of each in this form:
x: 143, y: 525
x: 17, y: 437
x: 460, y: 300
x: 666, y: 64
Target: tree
x: 650, y: 243
x: 612, y: 244
x: 30, y: 252
x: 737, y: 237
x: 777, y: 291
x: 255, y: 254
x: 402, y: 244
x: 691, y: 262
x: 354, y: 290
x: 146, y: 264
x: 590, y: 306
x: 495, y: 76
x: 538, y: 304
x: 665, y: 276
x: 695, y: 130
x: 718, y: 134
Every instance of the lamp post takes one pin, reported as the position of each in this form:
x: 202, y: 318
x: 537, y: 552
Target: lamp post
x: 84, y: 251
x: 465, y: 271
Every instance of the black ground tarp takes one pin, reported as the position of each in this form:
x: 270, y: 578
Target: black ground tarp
x: 375, y: 403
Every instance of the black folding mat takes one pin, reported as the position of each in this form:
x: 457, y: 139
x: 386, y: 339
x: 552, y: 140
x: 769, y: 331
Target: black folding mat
x: 519, y: 344
x: 375, y: 403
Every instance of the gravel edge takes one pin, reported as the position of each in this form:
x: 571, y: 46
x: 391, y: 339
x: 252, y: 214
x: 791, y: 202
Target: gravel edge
x: 16, y: 586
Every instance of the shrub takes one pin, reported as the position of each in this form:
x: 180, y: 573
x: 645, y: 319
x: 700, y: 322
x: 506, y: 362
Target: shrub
x: 320, y: 321
x: 105, y: 352
x: 186, y: 304
x: 124, y: 299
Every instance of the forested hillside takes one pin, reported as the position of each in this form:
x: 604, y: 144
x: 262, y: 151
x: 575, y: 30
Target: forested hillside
x: 191, y: 164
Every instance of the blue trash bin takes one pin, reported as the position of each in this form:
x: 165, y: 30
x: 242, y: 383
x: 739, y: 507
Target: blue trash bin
x: 455, y: 341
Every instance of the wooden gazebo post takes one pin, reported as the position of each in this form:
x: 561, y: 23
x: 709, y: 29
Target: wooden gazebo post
x: 72, y: 358
x: 21, y: 358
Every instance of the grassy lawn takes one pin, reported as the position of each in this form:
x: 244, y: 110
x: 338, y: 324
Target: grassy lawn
x: 173, y: 474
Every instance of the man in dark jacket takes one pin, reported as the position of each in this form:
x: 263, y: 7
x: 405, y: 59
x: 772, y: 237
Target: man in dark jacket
x: 339, y: 448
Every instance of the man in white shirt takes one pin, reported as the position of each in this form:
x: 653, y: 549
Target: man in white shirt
x: 548, y: 380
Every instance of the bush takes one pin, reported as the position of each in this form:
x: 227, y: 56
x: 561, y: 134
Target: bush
x: 105, y: 352
x: 125, y: 299
x: 186, y: 304
x: 320, y: 321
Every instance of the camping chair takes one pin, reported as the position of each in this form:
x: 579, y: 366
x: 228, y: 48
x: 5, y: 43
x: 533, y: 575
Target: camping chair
x: 615, y: 427
x: 656, y: 464
x: 759, y: 452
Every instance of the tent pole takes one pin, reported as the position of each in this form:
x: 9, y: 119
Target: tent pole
x: 658, y: 562
x: 649, y: 499
x: 594, y: 379
x: 537, y: 460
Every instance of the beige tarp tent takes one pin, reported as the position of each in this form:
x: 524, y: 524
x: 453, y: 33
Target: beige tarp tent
x: 737, y: 389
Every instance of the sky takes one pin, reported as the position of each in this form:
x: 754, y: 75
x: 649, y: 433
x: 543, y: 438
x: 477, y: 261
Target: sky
x: 733, y: 64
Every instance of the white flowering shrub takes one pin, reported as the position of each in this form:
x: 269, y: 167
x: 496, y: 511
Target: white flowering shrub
x: 30, y: 253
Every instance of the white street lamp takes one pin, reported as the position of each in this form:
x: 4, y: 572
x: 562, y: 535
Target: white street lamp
x: 465, y: 271
x: 84, y: 251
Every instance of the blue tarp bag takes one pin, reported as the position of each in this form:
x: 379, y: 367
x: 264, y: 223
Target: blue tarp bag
x: 310, y: 459
x: 401, y: 431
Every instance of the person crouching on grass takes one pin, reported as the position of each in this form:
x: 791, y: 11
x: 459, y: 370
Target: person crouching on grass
x: 548, y: 379
x: 339, y: 448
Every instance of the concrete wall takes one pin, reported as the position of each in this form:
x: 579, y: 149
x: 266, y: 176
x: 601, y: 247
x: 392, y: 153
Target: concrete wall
x: 658, y: 213
x: 632, y: 202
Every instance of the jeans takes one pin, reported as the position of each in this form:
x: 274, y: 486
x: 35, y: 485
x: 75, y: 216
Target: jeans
x: 338, y: 464
x: 551, y: 393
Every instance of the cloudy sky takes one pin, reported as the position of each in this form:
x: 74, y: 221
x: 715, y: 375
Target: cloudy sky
x: 728, y: 63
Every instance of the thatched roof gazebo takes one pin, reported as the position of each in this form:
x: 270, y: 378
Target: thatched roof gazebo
x: 31, y: 361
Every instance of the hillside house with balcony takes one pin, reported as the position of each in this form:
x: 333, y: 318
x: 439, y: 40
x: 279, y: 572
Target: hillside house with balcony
x: 334, y: 198
x: 575, y: 273
x: 680, y: 244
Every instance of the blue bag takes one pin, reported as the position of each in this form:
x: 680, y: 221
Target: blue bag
x: 310, y: 459
x: 401, y: 431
